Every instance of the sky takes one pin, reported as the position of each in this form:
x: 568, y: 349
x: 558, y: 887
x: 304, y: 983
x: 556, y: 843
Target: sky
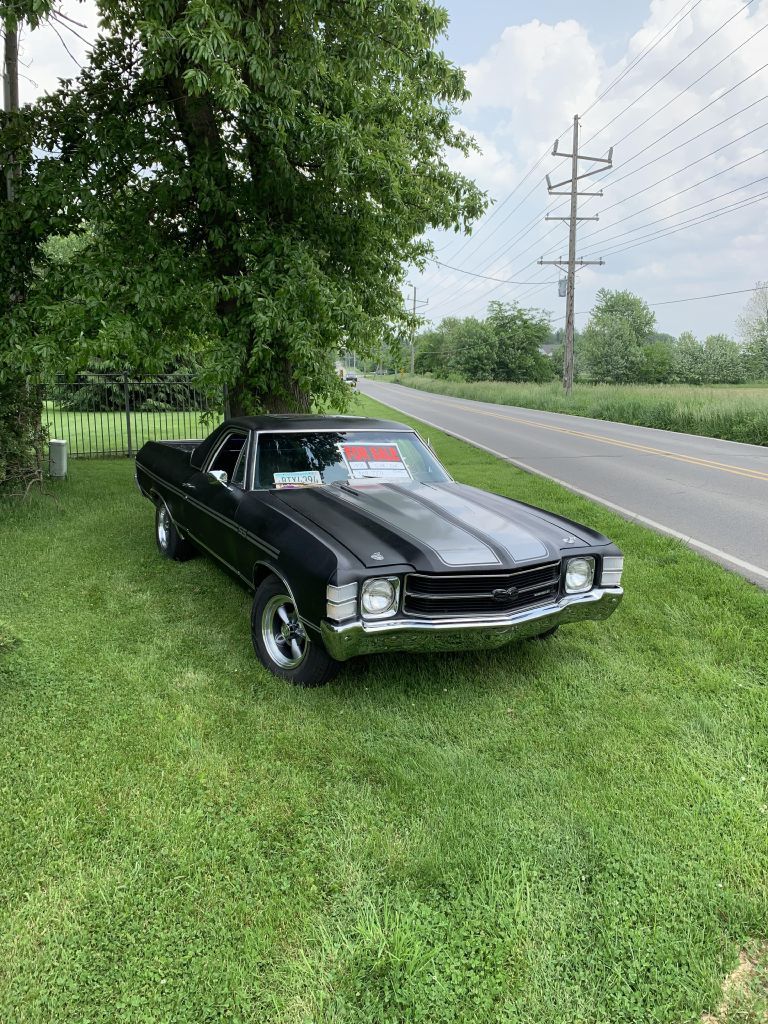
x: 531, y: 66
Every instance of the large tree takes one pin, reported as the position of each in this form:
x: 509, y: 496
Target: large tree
x: 620, y: 326
x: 519, y: 335
x: 254, y: 175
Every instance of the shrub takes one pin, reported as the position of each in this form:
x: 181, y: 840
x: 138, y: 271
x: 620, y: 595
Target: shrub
x: 21, y: 433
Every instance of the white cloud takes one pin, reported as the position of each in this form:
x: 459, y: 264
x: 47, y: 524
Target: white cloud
x: 533, y: 80
x: 44, y: 55
x: 526, y: 89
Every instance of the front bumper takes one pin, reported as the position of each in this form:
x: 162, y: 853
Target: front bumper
x: 422, y: 635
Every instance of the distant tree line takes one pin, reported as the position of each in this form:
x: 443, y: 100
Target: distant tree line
x: 619, y: 345
x: 506, y: 345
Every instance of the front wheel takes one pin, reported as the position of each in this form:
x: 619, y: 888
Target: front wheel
x: 281, y: 642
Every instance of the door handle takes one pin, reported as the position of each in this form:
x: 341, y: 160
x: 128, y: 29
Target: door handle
x: 188, y: 485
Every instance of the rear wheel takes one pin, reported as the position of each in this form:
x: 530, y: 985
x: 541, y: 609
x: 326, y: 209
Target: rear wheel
x: 281, y: 642
x: 170, y: 543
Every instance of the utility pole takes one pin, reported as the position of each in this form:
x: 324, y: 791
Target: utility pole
x: 424, y: 302
x: 572, y: 218
x: 10, y: 88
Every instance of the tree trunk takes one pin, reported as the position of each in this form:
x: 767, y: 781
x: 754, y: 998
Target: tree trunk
x: 289, y: 396
x: 201, y: 134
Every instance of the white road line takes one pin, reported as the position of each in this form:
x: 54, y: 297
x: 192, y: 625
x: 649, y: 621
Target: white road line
x: 691, y: 542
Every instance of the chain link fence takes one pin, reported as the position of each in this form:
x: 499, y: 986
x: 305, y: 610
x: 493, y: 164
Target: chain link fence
x: 101, y: 414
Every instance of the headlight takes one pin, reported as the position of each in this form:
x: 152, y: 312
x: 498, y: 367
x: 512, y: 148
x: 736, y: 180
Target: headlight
x: 579, y: 574
x: 379, y: 597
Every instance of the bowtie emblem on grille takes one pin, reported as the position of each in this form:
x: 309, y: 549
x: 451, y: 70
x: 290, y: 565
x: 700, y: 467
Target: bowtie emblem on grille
x: 504, y: 594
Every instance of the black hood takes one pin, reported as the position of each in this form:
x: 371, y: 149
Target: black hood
x: 436, y: 527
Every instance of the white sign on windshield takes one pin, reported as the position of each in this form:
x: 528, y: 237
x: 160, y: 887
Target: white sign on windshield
x: 375, y: 462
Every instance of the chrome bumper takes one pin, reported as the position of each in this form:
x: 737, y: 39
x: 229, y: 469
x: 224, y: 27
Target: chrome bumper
x: 350, y: 639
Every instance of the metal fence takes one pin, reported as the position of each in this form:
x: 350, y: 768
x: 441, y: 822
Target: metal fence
x: 115, y: 413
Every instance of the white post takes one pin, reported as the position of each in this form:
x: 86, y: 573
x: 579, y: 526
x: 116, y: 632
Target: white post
x: 57, y: 459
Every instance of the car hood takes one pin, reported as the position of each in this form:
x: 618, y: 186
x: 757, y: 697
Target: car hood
x: 435, y: 527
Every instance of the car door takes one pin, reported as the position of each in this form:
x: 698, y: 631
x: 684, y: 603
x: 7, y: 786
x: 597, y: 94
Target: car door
x: 213, y: 503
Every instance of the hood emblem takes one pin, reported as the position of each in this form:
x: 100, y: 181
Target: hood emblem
x: 504, y: 594
x: 377, y: 556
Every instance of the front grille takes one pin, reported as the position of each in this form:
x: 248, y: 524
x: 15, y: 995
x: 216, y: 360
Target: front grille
x: 446, y: 596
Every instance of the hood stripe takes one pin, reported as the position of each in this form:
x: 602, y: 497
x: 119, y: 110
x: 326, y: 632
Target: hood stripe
x: 399, y: 509
x: 507, y: 538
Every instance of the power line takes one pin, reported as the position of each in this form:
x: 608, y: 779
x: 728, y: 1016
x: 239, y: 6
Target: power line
x: 694, y: 222
x: 692, y: 163
x: 674, y: 195
x: 498, y: 208
x: 675, y: 128
x: 695, y: 82
x: 485, y: 277
x: 673, y: 68
x: 688, y: 298
x: 504, y: 250
x: 677, y: 213
x: 687, y: 142
x: 644, y: 53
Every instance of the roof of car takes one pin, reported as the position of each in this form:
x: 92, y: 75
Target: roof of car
x: 294, y: 421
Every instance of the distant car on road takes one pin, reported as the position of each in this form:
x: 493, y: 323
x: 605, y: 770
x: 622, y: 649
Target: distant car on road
x: 351, y: 379
x: 356, y: 540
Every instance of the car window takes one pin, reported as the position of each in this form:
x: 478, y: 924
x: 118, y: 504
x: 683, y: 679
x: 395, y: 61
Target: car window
x: 229, y: 453
x: 327, y: 457
x: 238, y: 476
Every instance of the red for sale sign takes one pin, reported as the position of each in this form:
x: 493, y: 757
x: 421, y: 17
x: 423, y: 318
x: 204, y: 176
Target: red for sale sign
x: 375, y: 461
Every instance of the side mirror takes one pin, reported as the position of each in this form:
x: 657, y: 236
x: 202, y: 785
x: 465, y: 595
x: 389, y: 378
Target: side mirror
x: 217, y: 476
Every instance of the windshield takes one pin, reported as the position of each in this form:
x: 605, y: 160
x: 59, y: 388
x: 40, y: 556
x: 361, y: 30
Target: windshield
x: 326, y: 457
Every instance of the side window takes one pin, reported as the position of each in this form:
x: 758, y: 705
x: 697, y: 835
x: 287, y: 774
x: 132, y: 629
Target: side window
x: 228, y: 455
x: 238, y: 477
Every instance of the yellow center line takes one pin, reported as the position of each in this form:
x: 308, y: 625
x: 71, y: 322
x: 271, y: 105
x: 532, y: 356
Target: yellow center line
x: 724, y: 467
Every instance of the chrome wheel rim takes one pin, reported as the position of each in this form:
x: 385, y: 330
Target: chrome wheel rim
x: 282, y: 633
x: 163, y: 527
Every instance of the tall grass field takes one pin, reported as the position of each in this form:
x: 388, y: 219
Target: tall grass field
x: 731, y: 412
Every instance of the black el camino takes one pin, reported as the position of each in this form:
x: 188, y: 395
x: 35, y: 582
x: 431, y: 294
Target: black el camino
x: 356, y: 540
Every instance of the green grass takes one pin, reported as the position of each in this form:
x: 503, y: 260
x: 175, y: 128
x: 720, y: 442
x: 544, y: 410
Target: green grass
x: 106, y: 433
x: 736, y: 413
x: 563, y: 831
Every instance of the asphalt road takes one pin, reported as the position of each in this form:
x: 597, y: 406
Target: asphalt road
x: 712, y: 494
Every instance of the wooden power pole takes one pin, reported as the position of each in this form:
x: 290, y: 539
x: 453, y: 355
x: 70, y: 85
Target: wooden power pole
x: 10, y: 88
x: 423, y: 302
x: 571, y: 263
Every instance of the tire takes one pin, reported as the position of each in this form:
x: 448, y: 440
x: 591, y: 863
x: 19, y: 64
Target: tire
x: 170, y: 543
x: 280, y: 642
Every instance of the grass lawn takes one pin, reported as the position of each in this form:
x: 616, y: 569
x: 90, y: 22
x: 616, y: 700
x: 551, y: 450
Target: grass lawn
x: 735, y: 412
x: 563, y: 831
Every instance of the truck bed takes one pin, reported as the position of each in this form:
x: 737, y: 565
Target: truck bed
x: 186, y: 444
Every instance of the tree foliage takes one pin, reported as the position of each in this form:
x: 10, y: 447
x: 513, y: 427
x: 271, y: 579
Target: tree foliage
x: 254, y: 175
x: 752, y: 327
x: 620, y: 326
x: 504, y: 346
x: 717, y: 360
x: 519, y: 335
